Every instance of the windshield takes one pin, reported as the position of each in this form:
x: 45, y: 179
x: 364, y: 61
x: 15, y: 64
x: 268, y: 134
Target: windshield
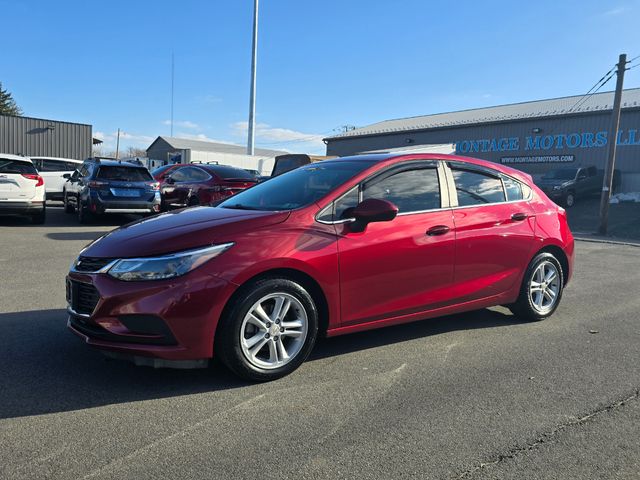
x: 124, y: 174
x: 297, y: 188
x: 230, y: 173
x: 562, y: 174
x: 16, y: 166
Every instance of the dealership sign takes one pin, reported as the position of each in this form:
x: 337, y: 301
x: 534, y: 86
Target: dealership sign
x: 559, y: 141
x: 538, y: 159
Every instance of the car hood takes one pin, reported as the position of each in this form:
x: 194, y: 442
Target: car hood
x: 179, y: 230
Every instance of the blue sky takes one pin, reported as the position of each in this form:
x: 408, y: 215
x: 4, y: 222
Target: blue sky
x: 322, y: 64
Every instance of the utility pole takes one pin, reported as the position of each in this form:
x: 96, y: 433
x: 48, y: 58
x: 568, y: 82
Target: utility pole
x: 252, y: 98
x: 607, y: 184
x: 172, y: 76
x: 118, y: 145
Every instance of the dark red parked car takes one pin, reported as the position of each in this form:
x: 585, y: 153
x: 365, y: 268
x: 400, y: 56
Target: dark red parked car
x: 202, y: 184
x: 329, y: 248
x: 160, y: 173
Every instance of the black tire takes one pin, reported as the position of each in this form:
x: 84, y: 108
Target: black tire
x: 227, y: 341
x: 40, y: 217
x: 68, y: 208
x: 569, y: 199
x: 524, y: 307
x: 84, y: 216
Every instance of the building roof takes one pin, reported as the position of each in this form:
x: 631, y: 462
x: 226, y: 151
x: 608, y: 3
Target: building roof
x: 219, y: 147
x: 515, y: 111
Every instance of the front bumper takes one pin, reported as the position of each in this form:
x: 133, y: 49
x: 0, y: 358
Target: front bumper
x: 173, y: 320
x: 20, y: 208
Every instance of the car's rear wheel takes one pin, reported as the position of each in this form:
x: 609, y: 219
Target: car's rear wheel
x: 84, y: 216
x: 68, y: 208
x: 541, y: 289
x: 268, y: 331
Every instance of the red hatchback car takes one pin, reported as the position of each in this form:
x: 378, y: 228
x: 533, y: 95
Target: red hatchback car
x: 202, y: 184
x: 330, y: 248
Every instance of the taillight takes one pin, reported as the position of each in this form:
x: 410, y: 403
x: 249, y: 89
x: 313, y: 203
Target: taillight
x: 154, y: 185
x: 32, y: 176
x: 96, y: 184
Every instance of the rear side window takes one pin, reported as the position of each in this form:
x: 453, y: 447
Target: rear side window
x: 125, y: 174
x: 410, y: 190
x: 16, y: 166
x: 513, y: 189
x: 54, y: 166
x: 230, y: 173
x: 475, y: 188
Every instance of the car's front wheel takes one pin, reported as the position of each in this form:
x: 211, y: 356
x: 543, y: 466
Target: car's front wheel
x: 269, y: 329
x: 68, y: 208
x: 541, y: 289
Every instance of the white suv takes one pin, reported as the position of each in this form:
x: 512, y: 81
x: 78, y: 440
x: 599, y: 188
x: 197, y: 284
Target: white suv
x: 53, y: 170
x: 21, y: 188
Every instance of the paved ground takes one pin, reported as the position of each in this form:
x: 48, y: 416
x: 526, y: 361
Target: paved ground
x: 477, y: 396
x: 624, y: 218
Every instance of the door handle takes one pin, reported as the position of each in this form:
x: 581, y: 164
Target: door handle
x: 519, y: 216
x: 437, y: 230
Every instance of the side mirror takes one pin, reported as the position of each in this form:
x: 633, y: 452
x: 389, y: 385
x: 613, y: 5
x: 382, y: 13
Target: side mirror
x: 374, y: 210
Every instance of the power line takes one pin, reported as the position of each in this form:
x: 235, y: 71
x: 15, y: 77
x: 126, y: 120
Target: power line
x: 597, y: 86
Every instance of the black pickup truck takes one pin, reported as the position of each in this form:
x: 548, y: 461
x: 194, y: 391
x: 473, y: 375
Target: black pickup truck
x: 568, y: 184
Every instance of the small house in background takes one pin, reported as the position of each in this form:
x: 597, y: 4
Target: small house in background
x: 183, y: 150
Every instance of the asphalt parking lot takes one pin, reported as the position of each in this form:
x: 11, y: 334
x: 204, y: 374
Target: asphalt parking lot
x: 479, y: 395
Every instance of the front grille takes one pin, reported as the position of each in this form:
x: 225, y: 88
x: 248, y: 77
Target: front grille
x: 82, y: 297
x: 91, y: 264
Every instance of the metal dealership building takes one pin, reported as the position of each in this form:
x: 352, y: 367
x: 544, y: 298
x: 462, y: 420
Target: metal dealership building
x: 533, y: 136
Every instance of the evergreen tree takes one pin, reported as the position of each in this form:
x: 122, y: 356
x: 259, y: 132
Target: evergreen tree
x: 8, y: 105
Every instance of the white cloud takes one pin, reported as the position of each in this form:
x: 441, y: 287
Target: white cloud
x: 616, y: 11
x: 282, y: 138
x: 209, y: 99
x: 110, y: 140
x: 183, y: 124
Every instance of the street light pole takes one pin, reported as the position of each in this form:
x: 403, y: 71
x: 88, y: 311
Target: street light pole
x: 252, y: 99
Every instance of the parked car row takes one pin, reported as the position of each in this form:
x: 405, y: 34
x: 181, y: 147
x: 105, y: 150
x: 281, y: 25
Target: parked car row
x: 568, y: 184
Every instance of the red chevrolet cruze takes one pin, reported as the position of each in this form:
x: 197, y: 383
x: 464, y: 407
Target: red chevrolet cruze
x: 333, y: 247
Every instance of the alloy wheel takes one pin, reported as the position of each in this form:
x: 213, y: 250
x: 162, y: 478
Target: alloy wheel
x: 544, y: 287
x: 274, y: 331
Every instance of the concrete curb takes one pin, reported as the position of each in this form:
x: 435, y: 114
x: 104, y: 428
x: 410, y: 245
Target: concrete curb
x: 588, y: 237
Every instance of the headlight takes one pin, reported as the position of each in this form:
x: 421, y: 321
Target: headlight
x: 167, y: 266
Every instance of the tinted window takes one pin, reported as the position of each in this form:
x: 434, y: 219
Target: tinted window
x: 476, y: 188
x: 125, y: 174
x: 562, y: 174
x: 513, y: 188
x: 16, y: 166
x: 340, y: 209
x: 54, y: 166
x: 230, y: 173
x: 297, y: 188
x: 189, y: 174
x: 159, y: 170
x: 410, y: 190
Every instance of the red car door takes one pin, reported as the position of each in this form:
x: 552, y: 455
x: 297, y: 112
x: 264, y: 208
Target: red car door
x: 494, y: 229
x: 403, y: 266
